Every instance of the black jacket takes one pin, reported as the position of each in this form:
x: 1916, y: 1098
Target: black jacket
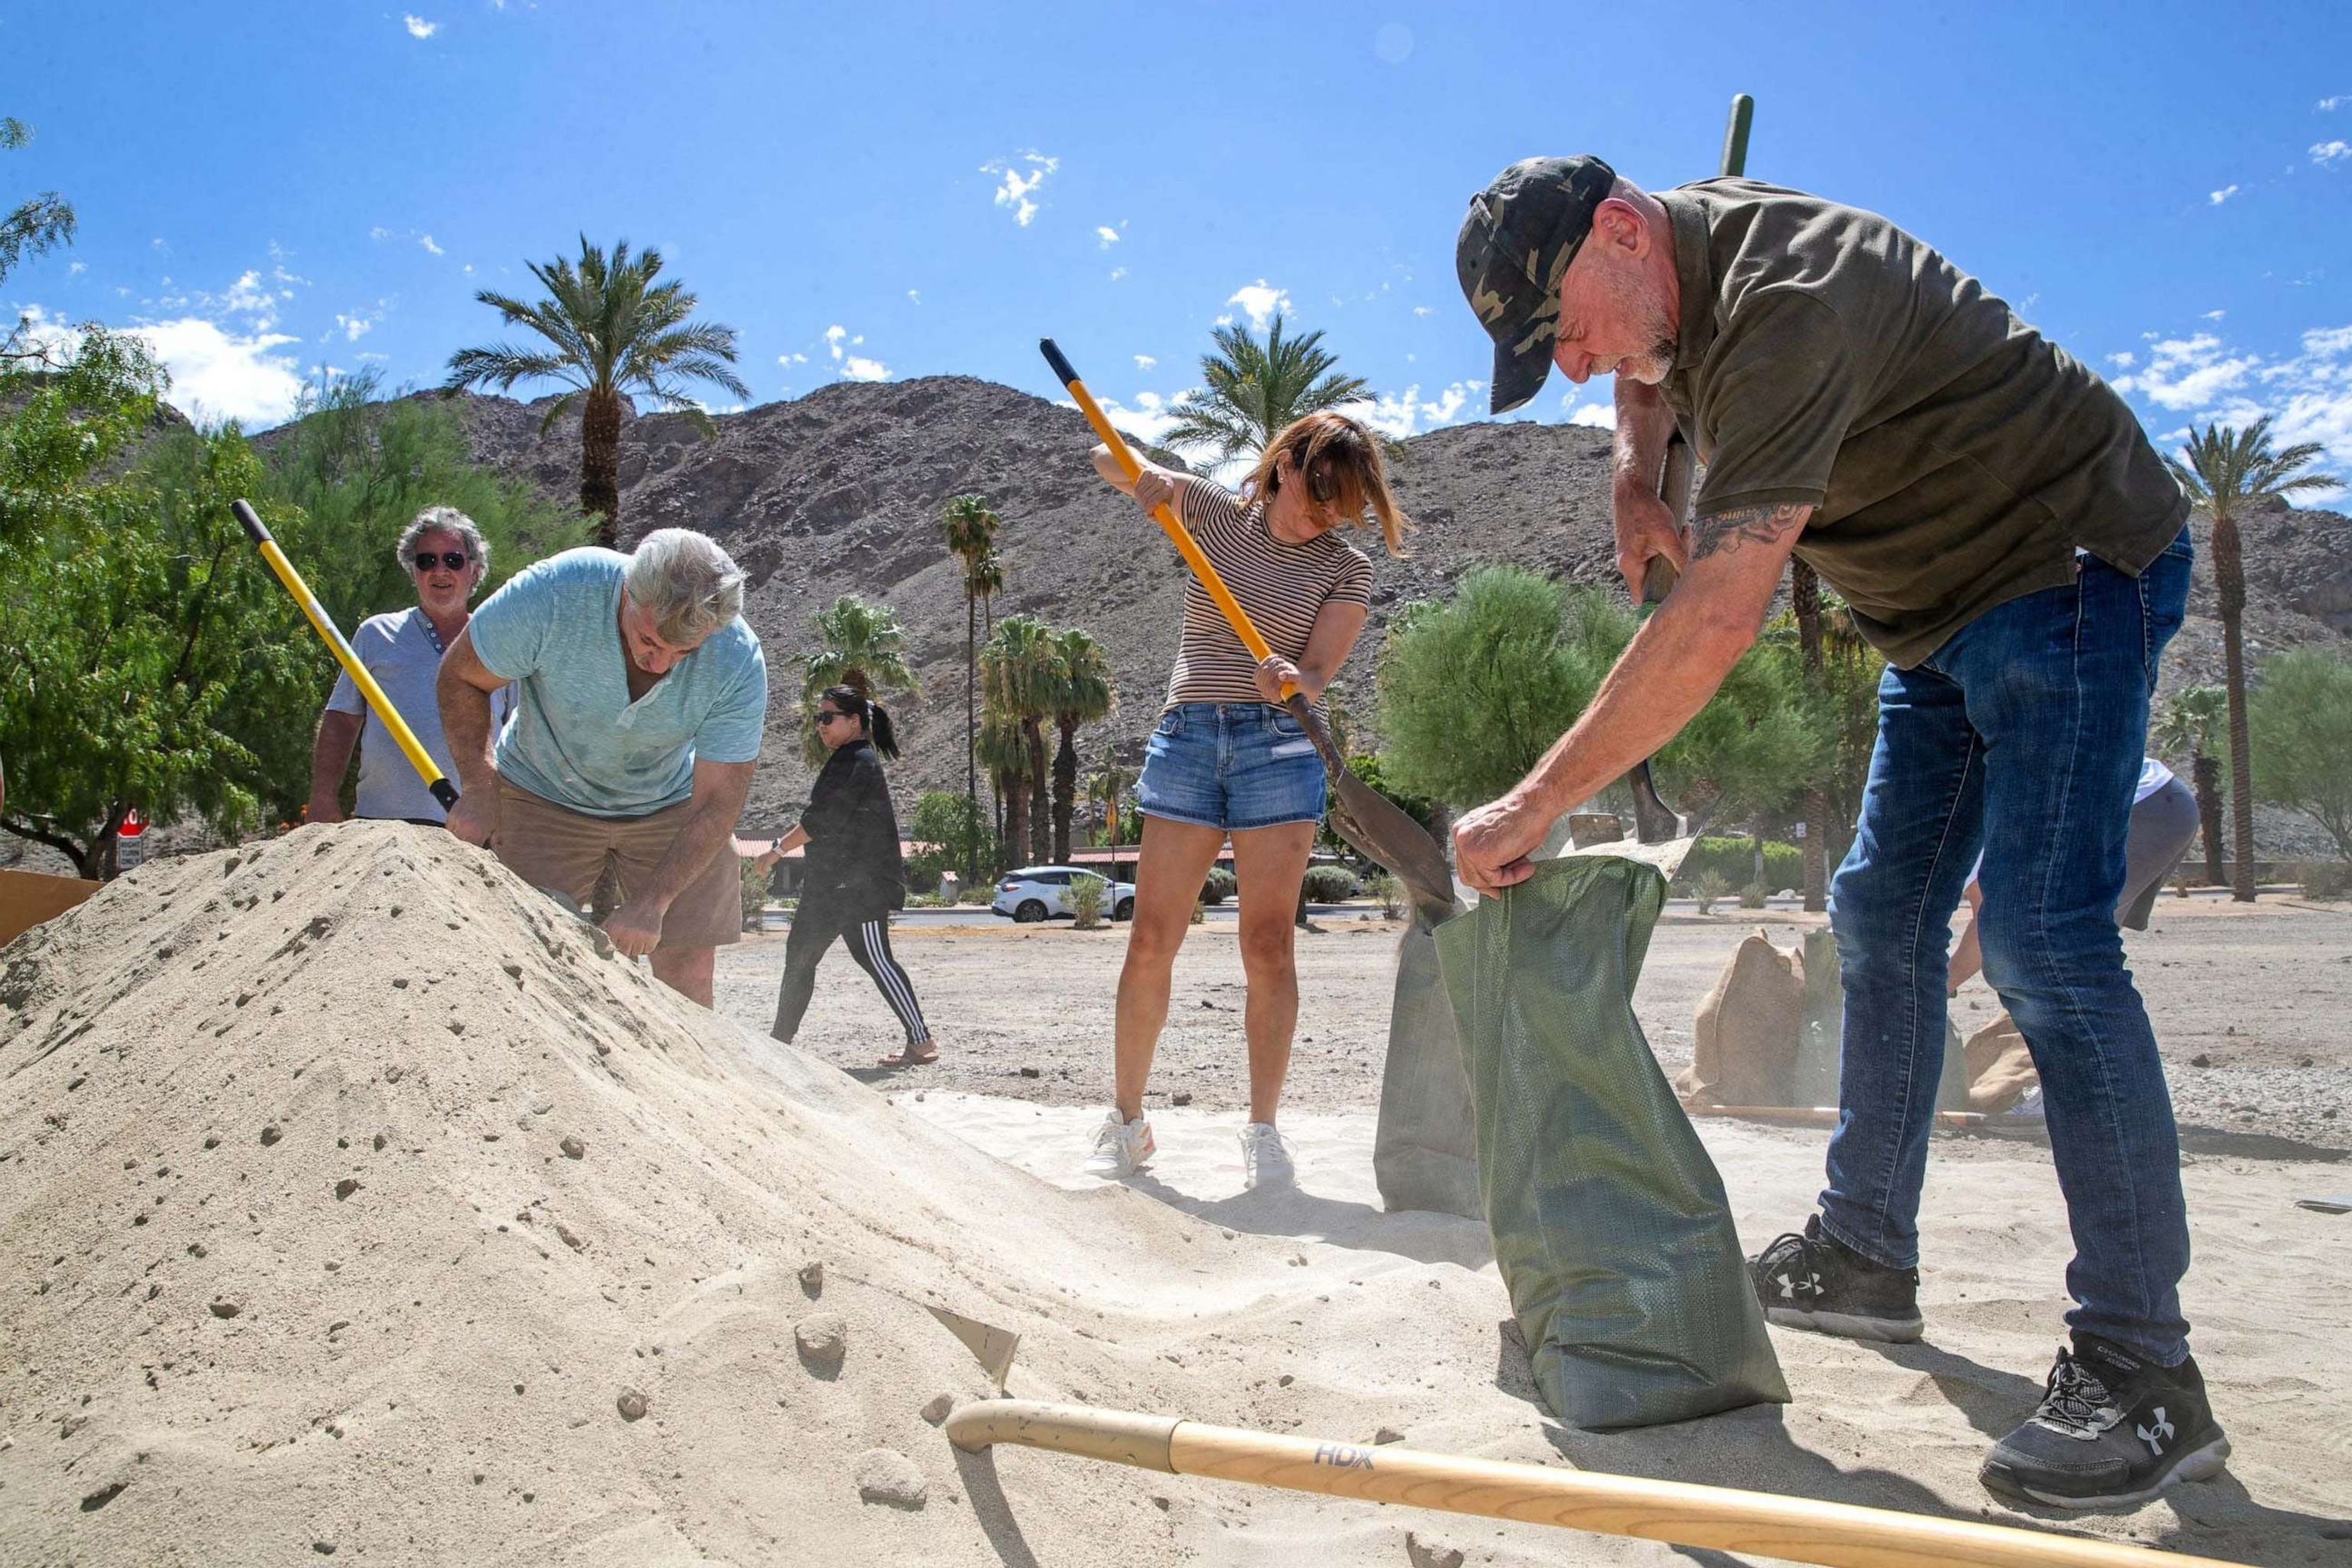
x: 853, y: 866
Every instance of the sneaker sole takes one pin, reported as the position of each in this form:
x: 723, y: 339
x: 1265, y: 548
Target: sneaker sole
x: 1847, y: 1326
x: 2198, y: 1464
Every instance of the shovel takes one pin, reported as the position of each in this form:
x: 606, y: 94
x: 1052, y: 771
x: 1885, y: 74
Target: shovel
x: 1359, y: 813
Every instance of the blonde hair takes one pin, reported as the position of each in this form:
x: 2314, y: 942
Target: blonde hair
x: 1345, y: 457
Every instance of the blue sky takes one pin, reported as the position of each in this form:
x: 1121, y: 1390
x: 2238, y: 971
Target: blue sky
x: 270, y: 188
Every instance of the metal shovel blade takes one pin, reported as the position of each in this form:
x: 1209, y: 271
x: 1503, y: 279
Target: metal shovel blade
x: 1378, y: 826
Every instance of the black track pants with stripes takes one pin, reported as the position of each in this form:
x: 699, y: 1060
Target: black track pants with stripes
x: 813, y: 931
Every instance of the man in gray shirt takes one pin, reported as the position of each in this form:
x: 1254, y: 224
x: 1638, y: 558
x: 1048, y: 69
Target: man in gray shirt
x: 446, y: 557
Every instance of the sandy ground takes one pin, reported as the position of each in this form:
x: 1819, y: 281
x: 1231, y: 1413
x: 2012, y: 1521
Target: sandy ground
x: 2253, y: 1009
x: 352, y: 1202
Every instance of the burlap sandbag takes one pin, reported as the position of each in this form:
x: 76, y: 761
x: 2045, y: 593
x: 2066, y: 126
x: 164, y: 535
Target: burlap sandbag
x: 1609, y: 1220
x: 1744, y: 1043
x: 1425, y: 1147
x: 2000, y: 1068
x: 1821, y: 1027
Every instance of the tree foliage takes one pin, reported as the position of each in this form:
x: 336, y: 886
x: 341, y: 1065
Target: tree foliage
x: 38, y: 225
x: 859, y: 644
x: 1020, y: 675
x: 2300, y: 720
x: 2228, y: 472
x: 361, y: 468
x: 152, y: 662
x: 1254, y: 389
x: 605, y: 330
x: 1083, y: 692
x: 1474, y: 691
x: 2192, y: 722
x: 950, y: 834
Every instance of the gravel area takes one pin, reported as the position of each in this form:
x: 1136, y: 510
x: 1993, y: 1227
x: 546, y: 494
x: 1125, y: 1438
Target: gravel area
x: 2252, y: 1005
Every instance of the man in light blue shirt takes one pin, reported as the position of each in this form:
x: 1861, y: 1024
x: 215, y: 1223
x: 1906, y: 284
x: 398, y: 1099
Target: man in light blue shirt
x: 444, y: 555
x: 641, y: 700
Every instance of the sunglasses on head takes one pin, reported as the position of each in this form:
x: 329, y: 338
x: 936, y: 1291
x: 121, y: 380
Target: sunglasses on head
x: 455, y: 560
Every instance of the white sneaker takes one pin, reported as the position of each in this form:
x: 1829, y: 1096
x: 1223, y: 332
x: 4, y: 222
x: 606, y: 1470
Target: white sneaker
x: 1121, y: 1148
x: 1265, y: 1158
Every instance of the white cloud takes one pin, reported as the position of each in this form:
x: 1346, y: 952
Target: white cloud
x: 247, y: 297
x: 1016, y: 184
x: 2223, y: 194
x: 2326, y: 152
x: 2309, y: 395
x: 858, y: 367
x: 2213, y: 315
x: 1145, y: 361
x: 1116, y: 273
x: 1108, y: 235
x: 1407, y: 413
x: 915, y: 295
x: 2330, y: 105
x: 427, y: 241
x: 1422, y: 310
x: 1598, y: 416
x: 1148, y: 420
x: 76, y: 269
x: 355, y: 326
x: 791, y: 359
x: 223, y: 375
x: 418, y: 27
x: 1261, y: 301
x: 835, y: 337
x: 2123, y: 360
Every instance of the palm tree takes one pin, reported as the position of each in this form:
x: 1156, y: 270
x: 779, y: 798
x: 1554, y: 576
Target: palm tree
x: 2187, y: 723
x: 862, y: 647
x: 970, y: 529
x: 985, y: 576
x: 1022, y: 669
x: 1254, y: 389
x: 1003, y: 750
x: 609, y: 330
x: 1083, y: 692
x: 2228, y: 472
x: 1107, y: 789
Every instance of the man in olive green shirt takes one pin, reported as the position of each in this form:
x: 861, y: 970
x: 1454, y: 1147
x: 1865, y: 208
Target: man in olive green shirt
x: 2008, y: 538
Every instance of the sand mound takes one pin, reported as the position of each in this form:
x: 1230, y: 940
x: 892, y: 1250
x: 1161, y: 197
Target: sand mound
x: 351, y: 1199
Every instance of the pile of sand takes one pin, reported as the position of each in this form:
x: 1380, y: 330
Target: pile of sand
x: 353, y: 1201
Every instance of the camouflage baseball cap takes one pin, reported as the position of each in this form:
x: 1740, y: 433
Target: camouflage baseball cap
x: 1522, y: 232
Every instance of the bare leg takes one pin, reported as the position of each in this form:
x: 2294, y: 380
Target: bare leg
x: 1270, y: 862
x: 1175, y: 860
x: 685, y: 970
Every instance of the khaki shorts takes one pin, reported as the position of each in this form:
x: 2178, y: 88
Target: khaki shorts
x: 551, y: 846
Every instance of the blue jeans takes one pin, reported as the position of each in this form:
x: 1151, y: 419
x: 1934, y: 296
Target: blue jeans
x: 1234, y: 765
x: 2034, y: 716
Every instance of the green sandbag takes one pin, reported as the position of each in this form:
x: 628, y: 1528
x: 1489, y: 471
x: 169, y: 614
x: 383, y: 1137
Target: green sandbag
x: 1609, y: 1220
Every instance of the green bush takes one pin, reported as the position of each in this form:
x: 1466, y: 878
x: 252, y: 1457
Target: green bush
x: 1219, y: 885
x: 755, y: 894
x: 2326, y: 880
x: 1329, y: 884
x: 1734, y: 860
x: 1709, y: 888
x: 1383, y: 887
x: 1084, y: 901
x: 1752, y: 896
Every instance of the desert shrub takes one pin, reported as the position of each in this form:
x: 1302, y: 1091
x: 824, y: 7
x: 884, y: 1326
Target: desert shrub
x: 755, y: 894
x: 2326, y: 880
x: 982, y: 893
x: 1329, y: 884
x: 1752, y: 896
x: 1709, y: 887
x: 1084, y: 901
x: 1383, y: 887
x: 1734, y: 859
x: 1219, y: 887
x: 1200, y: 911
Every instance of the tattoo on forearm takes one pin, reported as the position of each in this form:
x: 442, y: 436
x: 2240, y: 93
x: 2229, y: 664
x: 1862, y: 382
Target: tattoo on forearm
x: 1730, y: 529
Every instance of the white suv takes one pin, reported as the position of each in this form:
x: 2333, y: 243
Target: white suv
x: 1042, y: 892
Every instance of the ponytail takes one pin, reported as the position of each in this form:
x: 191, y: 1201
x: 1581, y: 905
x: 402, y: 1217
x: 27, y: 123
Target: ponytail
x: 876, y: 719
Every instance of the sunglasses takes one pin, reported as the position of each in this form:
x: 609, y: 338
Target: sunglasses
x: 455, y: 560
x: 827, y: 715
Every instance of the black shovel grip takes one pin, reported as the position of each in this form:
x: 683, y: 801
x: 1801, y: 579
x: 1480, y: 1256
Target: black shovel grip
x: 1053, y: 353
x: 255, y: 528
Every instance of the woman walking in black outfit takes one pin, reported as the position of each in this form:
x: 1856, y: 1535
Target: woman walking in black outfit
x: 856, y: 876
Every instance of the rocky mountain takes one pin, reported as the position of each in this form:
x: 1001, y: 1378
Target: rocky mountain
x: 840, y: 492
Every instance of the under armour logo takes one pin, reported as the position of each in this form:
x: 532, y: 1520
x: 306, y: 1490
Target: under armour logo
x: 1790, y: 1288
x: 2157, y: 1435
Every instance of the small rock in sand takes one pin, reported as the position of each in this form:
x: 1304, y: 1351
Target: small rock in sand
x: 1429, y: 1554
x: 346, y: 1187
x: 1162, y: 1503
x: 813, y: 1276
x: 632, y: 1406
x: 1387, y: 1434
x: 822, y: 1337
x: 886, y: 1476
x: 1285, y: 1381
x: 224, y: 1308
x: 270, y: 1134
x: 1181, y: 1097
x: 939, y: 1408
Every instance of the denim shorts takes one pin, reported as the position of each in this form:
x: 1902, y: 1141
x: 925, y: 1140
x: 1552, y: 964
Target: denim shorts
x: 1233, y: 765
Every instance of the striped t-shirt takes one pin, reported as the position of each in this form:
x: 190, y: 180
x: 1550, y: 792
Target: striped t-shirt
x: 1283, y: 586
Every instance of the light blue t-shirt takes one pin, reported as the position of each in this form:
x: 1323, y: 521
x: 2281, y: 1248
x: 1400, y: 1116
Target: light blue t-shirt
x: 401, y: 651
x: 575, y: 737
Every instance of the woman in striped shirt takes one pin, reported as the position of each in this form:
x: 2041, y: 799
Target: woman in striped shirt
x: 1227, y: 761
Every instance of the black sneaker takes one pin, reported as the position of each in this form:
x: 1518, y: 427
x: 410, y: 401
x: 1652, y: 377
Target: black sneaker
x: 1812, y: 1281
x: 2113, y: 1429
